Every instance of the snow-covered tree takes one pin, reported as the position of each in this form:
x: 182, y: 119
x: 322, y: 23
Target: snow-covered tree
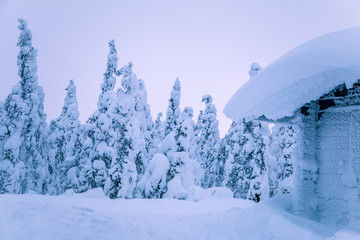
x: 182, y: 141
x: 223, y: 155
x: 153, y: 183
x: 104, y: 135
x: 208, y: 142
x: 4, y: 174
x: 158, y: 132
x: 61, y: 136
x: 199, y: 123
x: 177, y: 145
x: 122, y: 174
x: 173, y: 110
x: 245, y: 170
x: 25, y: 153
x: 81, y: 178
x: 143, y: 111
x: 254, y: 69
x: 132, y: 119
x: 259, y: 186
x: 279, y: 159
x: 188, y: 119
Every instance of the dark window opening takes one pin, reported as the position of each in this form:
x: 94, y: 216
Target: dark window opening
x: 326, y: 103
x: 341, y: 92
x: 304, y: 110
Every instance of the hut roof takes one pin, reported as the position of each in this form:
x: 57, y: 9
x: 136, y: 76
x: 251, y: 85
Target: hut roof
x: 300, y: 76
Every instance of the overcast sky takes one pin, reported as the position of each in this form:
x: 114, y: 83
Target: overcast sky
x: 209, y: 45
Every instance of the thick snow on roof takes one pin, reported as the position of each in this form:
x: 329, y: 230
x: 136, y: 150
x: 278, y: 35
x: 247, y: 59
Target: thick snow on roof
x: 300, y: 76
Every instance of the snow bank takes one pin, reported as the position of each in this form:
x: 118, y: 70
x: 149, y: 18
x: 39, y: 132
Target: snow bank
x: 300, y: 76
x: 220, y: 192
x: 92, y: 193
x: 196, y: 193
x: 73, y: 217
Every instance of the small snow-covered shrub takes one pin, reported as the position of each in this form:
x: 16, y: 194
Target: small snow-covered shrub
x: 175, y: 189
x: 196, y: 193
x: 153, y: 183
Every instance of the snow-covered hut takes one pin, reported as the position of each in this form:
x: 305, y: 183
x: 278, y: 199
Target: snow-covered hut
x: 316, y: 88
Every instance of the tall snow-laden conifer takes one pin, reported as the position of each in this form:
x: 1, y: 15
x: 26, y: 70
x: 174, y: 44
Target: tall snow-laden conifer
x: 4, y: 175
x: 62, y: 134
x: 169, y: 145
x: 102, y: 134
x: 25, y: 153
x: 279, y: 162
x: 208, y: 142
x: 131, y: 117
x: 259, y: 185
x: 223, y: 155
x: 145, y: 143
x: 184, y: 172
x: 183, y: 139
x: 81, y: 177
x: 237, y: 167
x: 158, y: 133
x: 245, y: 168
x: 173, y: 111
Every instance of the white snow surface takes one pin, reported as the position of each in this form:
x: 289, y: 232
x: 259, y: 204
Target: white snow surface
x: 94, y: 216
x: 298, y: 77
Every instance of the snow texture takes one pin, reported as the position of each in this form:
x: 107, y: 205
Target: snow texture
x: 91, y: 215
x: 298, y: 77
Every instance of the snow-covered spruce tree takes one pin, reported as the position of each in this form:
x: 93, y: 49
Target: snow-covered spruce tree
x: 279, y: 160
x: 188, y: 118
x: 184, y: 131
x: 173, y: 111
x: 101, y: 131
x: 259, y: 185
x: 25, y: 153
x: 132, y: 117
x: 208, y: 143
x: 153, y: 183
x: 4, y: 175
x: 199, y: 123
x: 223, y: 155
x: 254, y: 69
x: 158, y: 133
x: 81, y: 177
x: 61, y: 138
x: 245, y: 170
x: 145, y: 142
x: 11, y: 167
x: 184, y: 172
x: 169, y: 145
x: 237, y: 168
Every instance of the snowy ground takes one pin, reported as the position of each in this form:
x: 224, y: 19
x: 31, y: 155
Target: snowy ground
x: 93, y: 216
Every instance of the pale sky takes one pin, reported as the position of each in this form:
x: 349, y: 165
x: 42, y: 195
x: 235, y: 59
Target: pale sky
x: 209, y: 45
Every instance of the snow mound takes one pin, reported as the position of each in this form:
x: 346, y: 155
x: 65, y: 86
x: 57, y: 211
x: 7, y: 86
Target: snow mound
x: 300, y: 76
x: 196, y: 193
x: 176, y: 189
x: 92, y: 193
x: 220, y: 192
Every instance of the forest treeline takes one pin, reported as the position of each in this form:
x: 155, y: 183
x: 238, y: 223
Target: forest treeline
x: 127, y: 153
